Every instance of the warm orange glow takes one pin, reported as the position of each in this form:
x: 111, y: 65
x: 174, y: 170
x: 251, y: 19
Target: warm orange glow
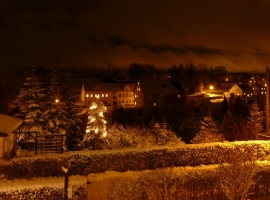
x: 211, y: 87
x: 56, y: 100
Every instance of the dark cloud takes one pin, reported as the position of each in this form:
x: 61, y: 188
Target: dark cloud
x: 231, y: 33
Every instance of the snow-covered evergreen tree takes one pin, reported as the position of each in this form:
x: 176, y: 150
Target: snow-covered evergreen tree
x: 56, y: 115
x: 71, y: 98
x: 255, y: 120
x: 208, y: 132
x: 31, y: 102
x: 163, y: 134
x: 96, y: 126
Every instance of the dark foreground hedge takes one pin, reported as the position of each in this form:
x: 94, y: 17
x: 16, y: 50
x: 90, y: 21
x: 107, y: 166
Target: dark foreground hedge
x: 83, y: 163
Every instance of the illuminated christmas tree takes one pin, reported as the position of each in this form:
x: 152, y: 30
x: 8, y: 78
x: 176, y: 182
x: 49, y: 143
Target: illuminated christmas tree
x: 96, y: 126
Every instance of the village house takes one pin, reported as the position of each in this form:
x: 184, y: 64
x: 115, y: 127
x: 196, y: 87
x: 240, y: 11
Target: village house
x: 8, y: 139
x: 240, y: 90
x: 151, y: 96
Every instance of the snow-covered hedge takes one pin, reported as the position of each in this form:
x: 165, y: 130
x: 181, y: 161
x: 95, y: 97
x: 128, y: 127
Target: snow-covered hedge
x: 83, y: 163
x: 45, y: 193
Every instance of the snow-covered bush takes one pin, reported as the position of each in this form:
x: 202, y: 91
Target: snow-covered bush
x: 167, y: 184
x: 237, y: 178
x: 44, y: 193
x: 119, y: 137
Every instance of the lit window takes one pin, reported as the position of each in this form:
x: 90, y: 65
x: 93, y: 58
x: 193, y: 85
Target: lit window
x: 102, y: 95
x: 91, y: 95
x: 155, y: 104
x: 106, y: 95
x: 135, y: 103
x: 238, y: 94
x: 261, y: 92
x: 87, y: 95
x: 178, y: 95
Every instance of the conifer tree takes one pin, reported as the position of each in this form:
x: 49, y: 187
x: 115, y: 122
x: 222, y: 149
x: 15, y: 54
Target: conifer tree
x: 163, y: 134
x: 31, y: 102
x: 96, y: 126
x: 71, y: 98
x: 208, y: 132
x: 228, y: 126
x: 56, y: 120
x: 255, y: 120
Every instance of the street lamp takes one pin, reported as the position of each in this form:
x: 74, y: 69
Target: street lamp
x: 226, y: 80
x: 211, y: 87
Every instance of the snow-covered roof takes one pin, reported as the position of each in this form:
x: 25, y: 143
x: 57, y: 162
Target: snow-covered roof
x: 8, y: 124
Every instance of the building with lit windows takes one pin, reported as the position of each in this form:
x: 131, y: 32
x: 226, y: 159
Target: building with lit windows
x: 110, y: 94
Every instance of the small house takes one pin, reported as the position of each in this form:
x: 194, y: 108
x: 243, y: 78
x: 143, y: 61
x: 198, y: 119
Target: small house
x: 8, y: 125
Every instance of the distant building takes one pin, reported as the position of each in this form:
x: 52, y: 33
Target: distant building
x: 242, y: 90
x: 152, y: 95
x: 110, y: 94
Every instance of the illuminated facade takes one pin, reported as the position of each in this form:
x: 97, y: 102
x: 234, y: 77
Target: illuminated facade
x: 109, y: 93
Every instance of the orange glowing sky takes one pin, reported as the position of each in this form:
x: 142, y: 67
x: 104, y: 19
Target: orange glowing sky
x: 87, y: 33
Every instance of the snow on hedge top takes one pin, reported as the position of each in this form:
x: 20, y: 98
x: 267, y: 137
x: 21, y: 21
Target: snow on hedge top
x: 8, y: 124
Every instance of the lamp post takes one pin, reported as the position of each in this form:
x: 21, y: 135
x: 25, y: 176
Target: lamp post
x: 267, y: 100
x: 65, y: 170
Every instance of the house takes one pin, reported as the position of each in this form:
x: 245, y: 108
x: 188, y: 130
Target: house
x: 8, y: 124
x: 110, y: 94
x: 258, y: 83
x: 242, y: 90
x: 153, y: 95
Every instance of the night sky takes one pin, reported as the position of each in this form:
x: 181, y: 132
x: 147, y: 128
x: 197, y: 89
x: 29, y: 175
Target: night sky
x: 87, y: 33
